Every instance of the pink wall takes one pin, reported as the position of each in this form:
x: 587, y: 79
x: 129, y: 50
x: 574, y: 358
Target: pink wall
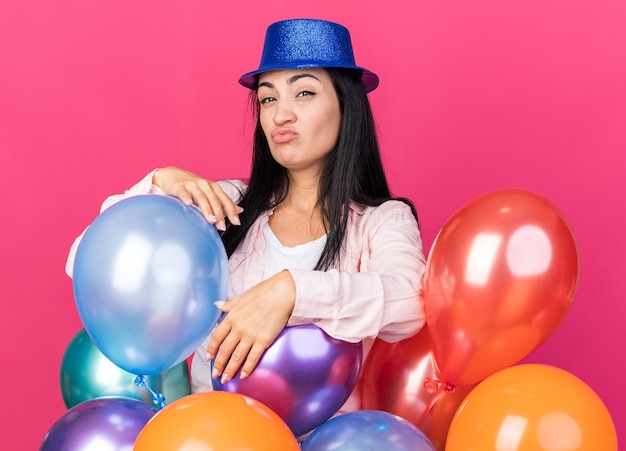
x: 475, y: 96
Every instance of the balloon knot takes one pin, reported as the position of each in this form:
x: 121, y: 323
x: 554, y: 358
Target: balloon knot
x: 157, y: 398
x: 436, y: 385
x: 449, y: 388
x: 140, y: 381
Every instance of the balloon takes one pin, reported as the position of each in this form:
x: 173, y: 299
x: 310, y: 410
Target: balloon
x: 305, y: 376
x: 402, y: 378
x: 99, y: 424
x: 216, y: 421
x: 147, y: 273
x: 87, y: 374
x: 367, y: 430
x: 500, y: 277
x: 532, y: 407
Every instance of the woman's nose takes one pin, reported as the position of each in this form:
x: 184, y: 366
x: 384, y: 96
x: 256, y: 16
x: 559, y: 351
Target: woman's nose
x: 284, y: 112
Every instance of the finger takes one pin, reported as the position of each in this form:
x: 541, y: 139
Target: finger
x: 220, y: 201
x: 254, y: 356
x: 220, y: 332
x: 224, y: 354
x: 202, y: 202
x: 208, y: 199
x: 185, y: 196
x: 229, y: 208
x: 218, y: 209
x: 238, y: 356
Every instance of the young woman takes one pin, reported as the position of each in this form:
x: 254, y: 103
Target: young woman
x: 314, y: 235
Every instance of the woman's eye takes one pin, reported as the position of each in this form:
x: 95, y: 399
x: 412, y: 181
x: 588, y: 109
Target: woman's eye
x: 265, y: 100
x: 305, y: 93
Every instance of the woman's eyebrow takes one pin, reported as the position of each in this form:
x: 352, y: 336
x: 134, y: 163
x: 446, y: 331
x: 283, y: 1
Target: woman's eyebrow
x: 299, y: 76
x: 291, y: 80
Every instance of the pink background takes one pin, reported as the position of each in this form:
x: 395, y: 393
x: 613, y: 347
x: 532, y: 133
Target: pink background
x: 475, y: 96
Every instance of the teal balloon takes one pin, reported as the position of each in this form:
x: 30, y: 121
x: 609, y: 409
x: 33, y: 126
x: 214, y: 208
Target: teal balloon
x: 87, y: 374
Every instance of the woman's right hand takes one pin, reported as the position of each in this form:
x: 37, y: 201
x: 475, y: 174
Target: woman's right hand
x: 208, y: 196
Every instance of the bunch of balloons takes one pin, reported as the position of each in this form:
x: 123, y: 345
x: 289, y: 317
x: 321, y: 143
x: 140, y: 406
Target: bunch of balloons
x: 146, y: 275
x: 500, y: 277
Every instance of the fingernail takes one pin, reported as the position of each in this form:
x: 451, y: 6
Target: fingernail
x: 219, y: 304
x: 239, y: 209
x: 214, y: 373
x: 208, y: 356
x: 221, y: 225
x: 212, y: 219
x: 235, y: 220
x: 224, y: 378
x: 243, y: 375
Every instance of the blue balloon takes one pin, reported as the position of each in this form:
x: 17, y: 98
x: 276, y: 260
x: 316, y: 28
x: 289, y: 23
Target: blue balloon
x: 99, y: 424
x: 146, y: 275
x: 368, y: 430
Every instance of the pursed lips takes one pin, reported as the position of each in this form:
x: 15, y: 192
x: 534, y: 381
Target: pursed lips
x: 283, y: 135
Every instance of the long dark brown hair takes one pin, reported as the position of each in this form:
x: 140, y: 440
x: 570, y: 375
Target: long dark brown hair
x: 353, y: 171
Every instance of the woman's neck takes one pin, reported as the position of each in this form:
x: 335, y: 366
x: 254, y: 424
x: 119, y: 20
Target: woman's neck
x: 297, y: 219
x: 303, y: 194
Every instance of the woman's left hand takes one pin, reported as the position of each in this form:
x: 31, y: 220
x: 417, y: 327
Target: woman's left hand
x: 254, y: 320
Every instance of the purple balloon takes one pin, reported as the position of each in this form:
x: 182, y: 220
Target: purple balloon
x: 102, y: 423
x: 368, y: 429
x: 305, y: 376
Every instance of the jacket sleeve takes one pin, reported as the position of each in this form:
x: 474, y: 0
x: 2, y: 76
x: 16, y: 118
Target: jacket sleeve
x: 377, y: 293
x: 233, y: 188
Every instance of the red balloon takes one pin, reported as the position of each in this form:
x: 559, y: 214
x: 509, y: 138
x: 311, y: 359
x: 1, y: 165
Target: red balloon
x: 402, y: 378
x: 499, y: 279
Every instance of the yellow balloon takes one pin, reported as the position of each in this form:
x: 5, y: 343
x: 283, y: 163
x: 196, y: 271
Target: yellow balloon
x: 532, y: 407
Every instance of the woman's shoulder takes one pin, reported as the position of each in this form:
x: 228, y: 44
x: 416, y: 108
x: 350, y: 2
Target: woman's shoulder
x: 391, y: 207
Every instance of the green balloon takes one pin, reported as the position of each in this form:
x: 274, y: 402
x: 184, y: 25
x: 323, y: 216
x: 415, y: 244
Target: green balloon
x: 87, y: 374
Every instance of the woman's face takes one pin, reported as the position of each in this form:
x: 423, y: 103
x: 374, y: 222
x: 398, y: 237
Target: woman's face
x: 300, y: 116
